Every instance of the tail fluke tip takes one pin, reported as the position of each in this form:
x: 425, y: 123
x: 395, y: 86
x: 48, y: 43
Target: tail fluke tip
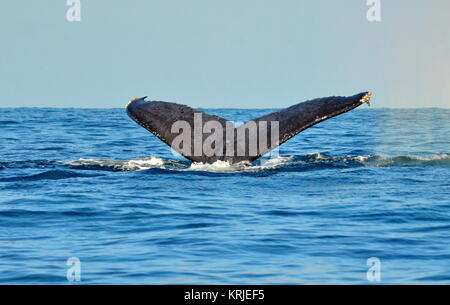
x: 366, y: 98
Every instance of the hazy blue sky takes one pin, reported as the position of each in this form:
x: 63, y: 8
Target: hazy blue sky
x: 233, y: 53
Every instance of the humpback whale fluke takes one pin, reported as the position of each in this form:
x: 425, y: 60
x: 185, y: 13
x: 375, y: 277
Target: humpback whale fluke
x: 209, y: 138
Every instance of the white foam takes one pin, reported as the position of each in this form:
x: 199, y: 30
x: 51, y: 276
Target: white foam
x: 226, y: 167
x: 218, y: 166
x: 360, y: 159
x: 317, y: 155
x: 126, y: 165
x: 143, y: 164
x: 434, y: 157
x: 275, y: 161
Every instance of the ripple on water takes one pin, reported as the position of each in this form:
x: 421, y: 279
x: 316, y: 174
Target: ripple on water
x: 95, y: 185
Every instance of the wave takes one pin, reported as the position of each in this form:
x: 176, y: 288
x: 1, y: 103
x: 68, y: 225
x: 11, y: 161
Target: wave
x: 54, y: 170
x: 47, y: 175
x: 442, y: 159
x: 8, y: 122
x: 320, y: 161
x: 116, y: 165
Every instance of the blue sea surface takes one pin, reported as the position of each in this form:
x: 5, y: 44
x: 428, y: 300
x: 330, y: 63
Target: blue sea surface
x: 92, y: 184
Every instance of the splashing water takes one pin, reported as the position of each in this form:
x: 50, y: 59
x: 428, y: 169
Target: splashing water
x: 117, y: 165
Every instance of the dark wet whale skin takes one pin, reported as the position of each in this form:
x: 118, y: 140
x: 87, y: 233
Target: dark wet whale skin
x: 158, y: 118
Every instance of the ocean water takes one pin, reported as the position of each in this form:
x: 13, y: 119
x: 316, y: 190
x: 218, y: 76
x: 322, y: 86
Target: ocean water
x: 92, y: 184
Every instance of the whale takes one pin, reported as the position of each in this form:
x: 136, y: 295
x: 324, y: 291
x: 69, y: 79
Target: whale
x: 205, y: 138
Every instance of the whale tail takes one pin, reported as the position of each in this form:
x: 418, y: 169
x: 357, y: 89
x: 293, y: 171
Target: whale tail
x: 201, y: 137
